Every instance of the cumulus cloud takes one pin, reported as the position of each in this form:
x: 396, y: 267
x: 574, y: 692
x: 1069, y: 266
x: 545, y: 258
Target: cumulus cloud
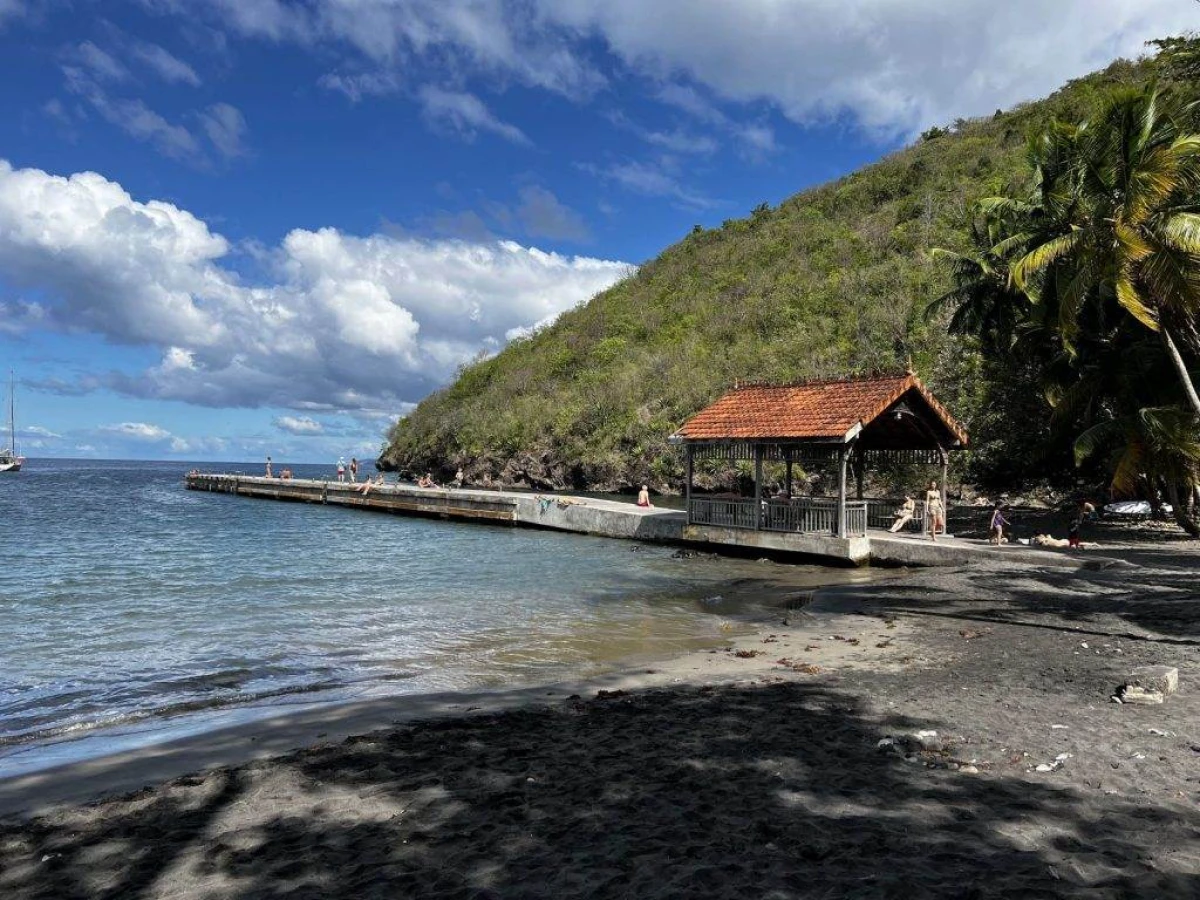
x: 299, y: 425
x: 891, y: 66
x: 334, y: 321
x: 465, y: 115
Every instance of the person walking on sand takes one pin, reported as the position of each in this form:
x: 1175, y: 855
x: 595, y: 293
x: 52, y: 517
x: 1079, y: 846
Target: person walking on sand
x: 935, y: 511
x: 904, y: 514
x: 644, y: 497
x: 353, y: 469
x: 268, y: 467
x: 341, y: 469
x: 996, y: 527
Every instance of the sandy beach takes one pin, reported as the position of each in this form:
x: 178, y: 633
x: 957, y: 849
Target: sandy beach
x: 755, y: 770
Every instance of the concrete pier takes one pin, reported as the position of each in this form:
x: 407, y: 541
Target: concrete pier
x: 614, y: 519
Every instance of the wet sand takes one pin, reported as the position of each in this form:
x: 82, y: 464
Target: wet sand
x: 751, y: 771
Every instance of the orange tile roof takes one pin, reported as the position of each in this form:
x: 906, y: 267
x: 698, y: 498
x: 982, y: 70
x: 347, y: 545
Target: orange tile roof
x: 815, y: 410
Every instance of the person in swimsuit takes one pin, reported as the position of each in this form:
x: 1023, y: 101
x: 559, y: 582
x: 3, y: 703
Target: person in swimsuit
x: 996, y: 527
x: 643, y: 496
x: 935, y: 511
x: 904, y: 514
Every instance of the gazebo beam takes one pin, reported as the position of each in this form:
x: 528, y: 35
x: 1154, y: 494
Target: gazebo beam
x: 841, y: 522
x: 758, y: 459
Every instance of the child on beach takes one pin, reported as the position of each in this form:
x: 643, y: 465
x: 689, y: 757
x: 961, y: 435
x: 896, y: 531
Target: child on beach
x: 996, y: 528
x: 1083, y: 512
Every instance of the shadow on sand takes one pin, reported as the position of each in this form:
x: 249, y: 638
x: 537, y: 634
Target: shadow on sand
x: 775, y: 791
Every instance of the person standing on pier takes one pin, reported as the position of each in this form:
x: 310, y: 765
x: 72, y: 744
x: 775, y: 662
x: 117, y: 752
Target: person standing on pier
x: 268, y: 467
x: 935, y: 511
x: 341, y: 469
x: 353, y: 469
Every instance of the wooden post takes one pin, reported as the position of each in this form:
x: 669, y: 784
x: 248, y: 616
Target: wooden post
x: 758, y: 459
x: 687, y: 487
x: 841, y: 520
x: 788, y: 478
x: 860, y: 466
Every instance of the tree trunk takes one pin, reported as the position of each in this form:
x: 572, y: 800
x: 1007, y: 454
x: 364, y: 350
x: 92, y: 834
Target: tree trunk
x: 1181, y: 369
x: 1179, y: 509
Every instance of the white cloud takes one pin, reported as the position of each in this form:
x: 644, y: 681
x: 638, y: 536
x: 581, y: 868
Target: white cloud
x: 495, y: 37
x: 653, y: 179
x: 138, y: 431
x: 335, y: 322
x: 168, y: 67
x: 98, y: 63
x: 465, y: 115
x: 299, y: 425
x: 10, y: 9
x: 38, y: 431
x: 226, y: 128
x: 892, y: 65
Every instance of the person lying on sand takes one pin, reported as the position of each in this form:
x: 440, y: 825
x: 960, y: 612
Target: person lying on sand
x: 1045, y: 540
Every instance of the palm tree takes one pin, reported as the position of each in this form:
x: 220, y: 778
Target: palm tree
x: 1124, y: 199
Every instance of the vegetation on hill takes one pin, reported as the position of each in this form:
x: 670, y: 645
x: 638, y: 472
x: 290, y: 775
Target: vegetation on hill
x: 834, y: 281
x: 1093, y: 274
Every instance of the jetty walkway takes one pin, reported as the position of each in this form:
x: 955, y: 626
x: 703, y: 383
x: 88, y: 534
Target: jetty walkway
x: 615, y: 519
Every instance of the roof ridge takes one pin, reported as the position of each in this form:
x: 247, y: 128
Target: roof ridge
x: 809, y: 382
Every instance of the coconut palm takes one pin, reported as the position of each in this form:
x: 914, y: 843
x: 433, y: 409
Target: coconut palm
x: 1124, y: 199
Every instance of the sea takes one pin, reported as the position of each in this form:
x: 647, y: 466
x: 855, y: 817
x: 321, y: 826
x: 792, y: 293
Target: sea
x: 134, y: 611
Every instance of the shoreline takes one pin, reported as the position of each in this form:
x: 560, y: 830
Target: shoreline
x: 781, y: 766
x: 269, y: 730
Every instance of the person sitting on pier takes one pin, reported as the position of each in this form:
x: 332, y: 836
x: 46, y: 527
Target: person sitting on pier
x: 904, y: 514
x: 644, y: 497
x: 286, y: 474
x: 368, y: 483
x: 426, y: 481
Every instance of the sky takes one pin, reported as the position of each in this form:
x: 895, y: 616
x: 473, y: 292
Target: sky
x: 234, y: 228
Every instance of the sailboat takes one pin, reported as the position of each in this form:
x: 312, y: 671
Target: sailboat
x: 9, y: 461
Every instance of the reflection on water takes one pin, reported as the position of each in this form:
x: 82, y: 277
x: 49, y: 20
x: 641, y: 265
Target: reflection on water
x: 127, y: 599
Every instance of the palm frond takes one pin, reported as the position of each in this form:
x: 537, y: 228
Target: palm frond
x: 1038, y: 259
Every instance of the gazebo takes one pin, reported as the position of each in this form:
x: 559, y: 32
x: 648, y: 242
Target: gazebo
x: 848, y: 422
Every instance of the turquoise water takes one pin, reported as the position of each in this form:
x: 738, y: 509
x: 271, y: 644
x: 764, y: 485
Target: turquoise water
x: 127, y: 601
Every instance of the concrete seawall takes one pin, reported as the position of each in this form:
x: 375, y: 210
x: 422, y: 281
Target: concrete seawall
x: 614, y: 519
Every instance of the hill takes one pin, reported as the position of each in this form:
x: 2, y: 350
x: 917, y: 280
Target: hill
x: 833, y: 281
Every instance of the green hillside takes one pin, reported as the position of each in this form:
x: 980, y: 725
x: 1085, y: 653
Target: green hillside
x: 833, y: 281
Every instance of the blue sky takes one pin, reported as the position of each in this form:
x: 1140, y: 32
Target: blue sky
x: 230, y: 228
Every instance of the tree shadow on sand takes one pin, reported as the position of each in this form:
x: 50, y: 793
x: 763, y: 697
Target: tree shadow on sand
x: 775, y: 791
x: 1163, y: 605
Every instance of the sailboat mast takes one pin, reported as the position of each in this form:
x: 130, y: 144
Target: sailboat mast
x: 12, y: 411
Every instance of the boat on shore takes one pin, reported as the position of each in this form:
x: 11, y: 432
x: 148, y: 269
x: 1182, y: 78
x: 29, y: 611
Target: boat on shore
x: 9, y: 460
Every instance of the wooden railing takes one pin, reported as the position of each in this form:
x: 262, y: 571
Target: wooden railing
x: 804, y: 515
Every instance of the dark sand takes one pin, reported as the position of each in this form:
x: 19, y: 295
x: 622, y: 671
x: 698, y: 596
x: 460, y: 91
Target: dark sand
x: 729, y: 774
